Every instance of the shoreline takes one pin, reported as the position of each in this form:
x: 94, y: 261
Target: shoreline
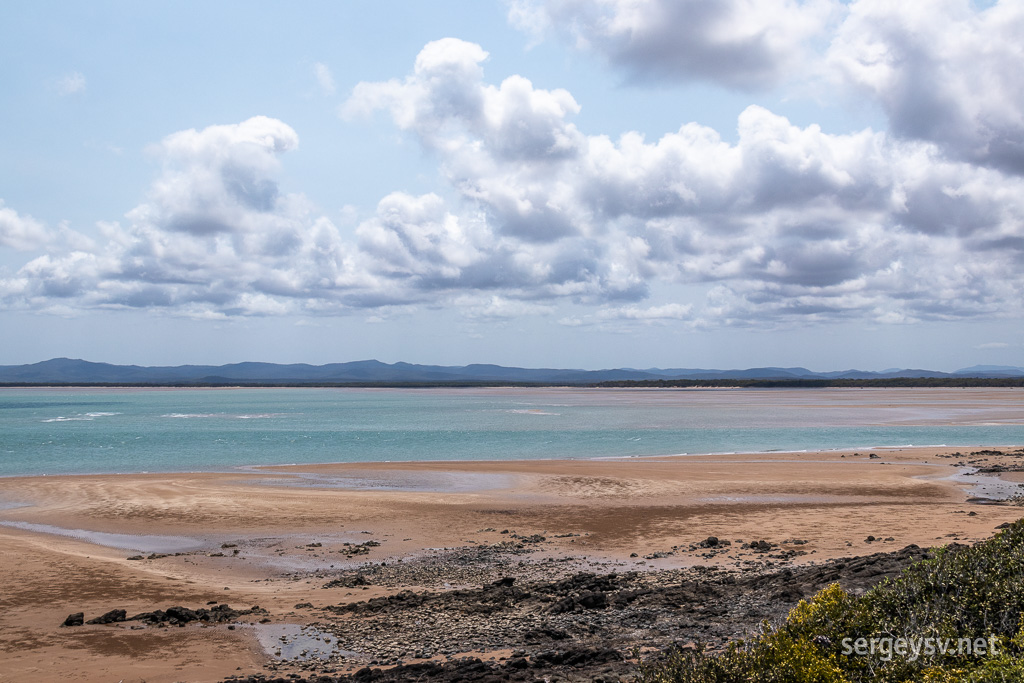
x: 258, y: 467
x: 279, y: 536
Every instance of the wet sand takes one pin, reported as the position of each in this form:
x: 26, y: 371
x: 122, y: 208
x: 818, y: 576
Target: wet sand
x: 251, y: 537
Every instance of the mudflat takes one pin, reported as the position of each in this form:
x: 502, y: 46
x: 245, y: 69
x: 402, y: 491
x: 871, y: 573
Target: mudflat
x: 313, y: 546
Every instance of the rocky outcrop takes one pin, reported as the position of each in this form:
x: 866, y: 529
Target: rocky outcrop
x: 172, y: 616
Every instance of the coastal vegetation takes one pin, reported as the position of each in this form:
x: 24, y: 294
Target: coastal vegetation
x: 958, y: 616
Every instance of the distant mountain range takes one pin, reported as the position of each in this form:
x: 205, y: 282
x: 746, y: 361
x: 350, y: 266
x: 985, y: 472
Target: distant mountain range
x: 70, y: 371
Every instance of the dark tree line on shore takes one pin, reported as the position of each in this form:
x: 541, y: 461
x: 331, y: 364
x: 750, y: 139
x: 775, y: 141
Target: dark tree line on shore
x: 819, y: 383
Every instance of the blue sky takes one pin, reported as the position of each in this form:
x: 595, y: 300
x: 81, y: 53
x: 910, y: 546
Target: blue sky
x: 639, y: 183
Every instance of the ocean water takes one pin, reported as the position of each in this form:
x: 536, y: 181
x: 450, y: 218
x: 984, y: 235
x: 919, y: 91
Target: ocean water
x: 81, y: 431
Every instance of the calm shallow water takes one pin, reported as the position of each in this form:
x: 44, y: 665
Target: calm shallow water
x: 297, y: 642
x: 78, y: 431
x: 140, y: 542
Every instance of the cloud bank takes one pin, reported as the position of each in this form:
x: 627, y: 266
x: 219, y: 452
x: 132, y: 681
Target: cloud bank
x: 924, y: 221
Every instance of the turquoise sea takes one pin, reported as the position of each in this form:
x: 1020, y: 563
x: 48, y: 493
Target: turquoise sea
x: 79, y: 431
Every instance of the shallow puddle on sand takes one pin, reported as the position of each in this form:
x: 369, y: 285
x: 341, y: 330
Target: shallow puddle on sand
x: 295, y: 642
x: 395, y: 480
x: 755, y: 499
x: 985, y: 487
x: 140, y: 542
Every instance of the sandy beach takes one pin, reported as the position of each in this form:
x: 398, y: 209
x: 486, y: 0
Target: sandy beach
x: 286, y: 538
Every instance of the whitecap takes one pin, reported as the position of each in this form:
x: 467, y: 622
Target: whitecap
x: 186, y: 416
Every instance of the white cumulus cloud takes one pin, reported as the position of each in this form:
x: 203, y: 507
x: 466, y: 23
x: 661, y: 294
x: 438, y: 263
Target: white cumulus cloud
x: 947, y: 72
x: 750, y: 44
x: 19, y: 232
x: 215, y: 235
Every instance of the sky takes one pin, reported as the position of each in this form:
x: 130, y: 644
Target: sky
x: 542, y: 183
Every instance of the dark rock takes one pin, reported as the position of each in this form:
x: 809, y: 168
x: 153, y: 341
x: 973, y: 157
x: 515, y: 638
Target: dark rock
x: 534, y: 538
x: 593, y: 600
x: 111, y: 617
x: 589, y: 600
x: 577, y: 657
x: 544, y: 633
x: 788, y: 594
x: 179, y: 616
x: 182, y: 614
x: 518, y: 663
x: 76, y: 619
x: 348, y: 582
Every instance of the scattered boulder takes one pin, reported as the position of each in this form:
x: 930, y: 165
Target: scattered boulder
x: 712, y: 543
x: 761, y: 546
x: 75, y: 619
x: 533, y: 538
